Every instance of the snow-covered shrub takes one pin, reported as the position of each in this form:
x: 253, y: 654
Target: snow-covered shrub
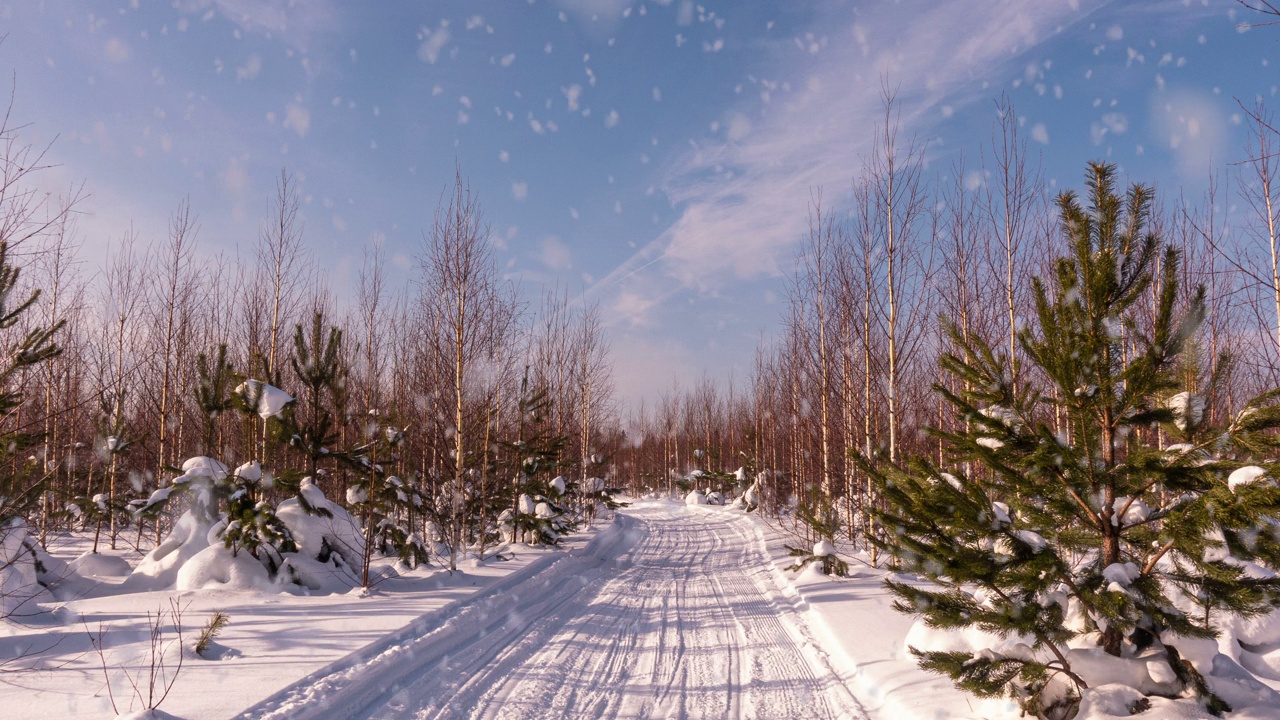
x: 20, y: 570
x: 823, y: 523
x: 537, y: 519
x: 384, y: 501
x: 248, y: 523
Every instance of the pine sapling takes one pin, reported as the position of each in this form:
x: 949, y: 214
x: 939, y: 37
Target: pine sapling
x: 217, y: 621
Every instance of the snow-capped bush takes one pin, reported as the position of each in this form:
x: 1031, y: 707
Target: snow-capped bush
x: 695, y: 497
x: 20, y: 587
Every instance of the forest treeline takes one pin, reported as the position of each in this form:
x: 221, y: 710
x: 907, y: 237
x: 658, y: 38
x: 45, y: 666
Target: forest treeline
x: 428, y: 409
x: 491, y: 394
x: 852, y: 366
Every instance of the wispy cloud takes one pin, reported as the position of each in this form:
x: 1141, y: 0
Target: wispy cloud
x: 742, y: 193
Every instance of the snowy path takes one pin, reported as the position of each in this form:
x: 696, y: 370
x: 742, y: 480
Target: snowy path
x: 673, y: 613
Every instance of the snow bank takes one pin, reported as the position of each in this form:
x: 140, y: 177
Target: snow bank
x: 216, y: 568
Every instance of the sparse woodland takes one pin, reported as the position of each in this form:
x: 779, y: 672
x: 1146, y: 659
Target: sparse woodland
x: 850, y: 369
x: 853, y: 362
x: 448, y: 398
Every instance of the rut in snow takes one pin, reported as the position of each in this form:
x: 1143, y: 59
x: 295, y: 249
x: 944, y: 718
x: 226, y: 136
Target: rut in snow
x: 674, y: 613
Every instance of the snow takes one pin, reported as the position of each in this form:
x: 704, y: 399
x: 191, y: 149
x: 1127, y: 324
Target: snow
x: 1003, y: 415
x: 92, y: 564
x: 19, y: 587
x: 550, y: 628
x: 215, y: 568
x: 695, y: 497
x: 1122, y: 574
x: 1136, y: 512
x: 1245, y: 476
x: 823, y: 548
x: 1000, y: 515
x: 271, y: 402
x: 990, y: 443
x: 271, y: 641
x: 158, y: 570
x: 525, y: 506
x: 1035, y: 540
x: 250, y: 471
x: 558, y: 485
x: 1188, y: 410
x: 339, y: 532
x: 577, y: 639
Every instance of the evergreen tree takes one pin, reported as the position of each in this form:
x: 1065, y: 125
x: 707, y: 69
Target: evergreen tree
x: 317, y: 364
x: 384, y: 502
x: 1061, y: 520
x: 530, y: 460
x: 233, y: 502
x: 21, y: 487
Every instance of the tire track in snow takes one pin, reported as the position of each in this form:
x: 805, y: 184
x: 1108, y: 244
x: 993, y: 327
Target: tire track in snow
x: 683, y: 619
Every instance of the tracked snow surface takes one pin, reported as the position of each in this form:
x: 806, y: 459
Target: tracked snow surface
x: 668, y: 613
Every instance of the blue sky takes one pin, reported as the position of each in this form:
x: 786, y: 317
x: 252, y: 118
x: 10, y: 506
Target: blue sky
x: 656, y: 156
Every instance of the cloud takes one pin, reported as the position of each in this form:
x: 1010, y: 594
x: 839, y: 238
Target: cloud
x: 741, y: 197
x: 598, y: 18
x: 520, y: 190
x: 572, y: 93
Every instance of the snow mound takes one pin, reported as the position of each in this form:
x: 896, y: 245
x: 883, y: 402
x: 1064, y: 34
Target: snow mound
x: 1114, y: 700
x: 695, y: 498
x: 159, y: 569
x: 823, y: 548
x: 558, y: 485
x: 216, y: 567
x: 92, y: 564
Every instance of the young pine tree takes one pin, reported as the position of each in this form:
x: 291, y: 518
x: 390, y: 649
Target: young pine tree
x: 384, y: 503
x: 1061, y: 520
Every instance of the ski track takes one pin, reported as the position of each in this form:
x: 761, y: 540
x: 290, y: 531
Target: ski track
x: 684, y: 621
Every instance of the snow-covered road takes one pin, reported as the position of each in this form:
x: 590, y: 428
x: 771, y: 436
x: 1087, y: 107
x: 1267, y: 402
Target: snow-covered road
x: 673, y: 612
